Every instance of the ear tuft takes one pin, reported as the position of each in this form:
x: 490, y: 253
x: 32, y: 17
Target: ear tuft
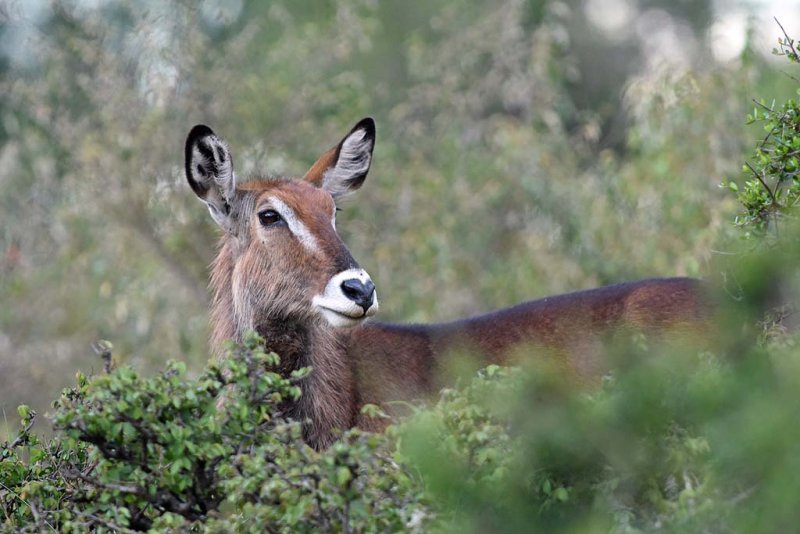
x: 344, y: 168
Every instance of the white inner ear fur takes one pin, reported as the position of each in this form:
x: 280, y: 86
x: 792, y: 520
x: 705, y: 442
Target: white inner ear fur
x: 354, y: 160
x: 218, y: 169
x: 296, y: 226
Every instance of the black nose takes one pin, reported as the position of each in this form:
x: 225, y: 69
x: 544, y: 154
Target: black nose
x: 359, y: 292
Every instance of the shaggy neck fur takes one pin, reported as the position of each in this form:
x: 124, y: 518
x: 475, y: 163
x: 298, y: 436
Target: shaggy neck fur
x: 327, y: 403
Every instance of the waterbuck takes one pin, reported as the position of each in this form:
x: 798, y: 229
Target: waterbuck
x: 283, y: 271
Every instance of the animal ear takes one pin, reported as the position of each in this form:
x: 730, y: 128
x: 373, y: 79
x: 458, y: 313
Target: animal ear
x: 209, y: 170
x: 343, y: 168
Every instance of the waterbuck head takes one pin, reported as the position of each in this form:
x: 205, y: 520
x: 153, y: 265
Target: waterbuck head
x: 281, y: 260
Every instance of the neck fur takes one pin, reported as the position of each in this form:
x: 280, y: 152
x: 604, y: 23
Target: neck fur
x: 328, y: 400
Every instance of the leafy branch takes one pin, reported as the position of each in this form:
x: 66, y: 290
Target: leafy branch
x: 772, y: 191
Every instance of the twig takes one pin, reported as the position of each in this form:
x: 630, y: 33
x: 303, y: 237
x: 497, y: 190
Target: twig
x: 14, y: 493
x: 738, y: 297
x: 103, y: 348
x: 789, y: 41
x: 34, y: 512
x: 746, y: 494
x: 346, y: 518
x: 759, y: 104
x: 22, y: 436
x: 122, y: 488
x: 168, y: 501
x: 757, y: 175
x: 106, y: 523
x: 772, y: 130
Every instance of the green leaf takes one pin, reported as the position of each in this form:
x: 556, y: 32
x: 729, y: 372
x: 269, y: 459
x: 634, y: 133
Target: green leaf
x: 343, y: 476
x: 24, y: 411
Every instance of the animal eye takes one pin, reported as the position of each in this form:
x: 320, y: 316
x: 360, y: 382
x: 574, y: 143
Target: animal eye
x: 269, y: 217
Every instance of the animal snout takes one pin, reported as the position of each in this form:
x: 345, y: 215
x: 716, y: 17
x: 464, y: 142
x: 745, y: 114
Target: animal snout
x: 359, y: 292
x: 349, y: 297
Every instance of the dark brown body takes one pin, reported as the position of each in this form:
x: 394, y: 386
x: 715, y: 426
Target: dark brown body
x: 403, y: 362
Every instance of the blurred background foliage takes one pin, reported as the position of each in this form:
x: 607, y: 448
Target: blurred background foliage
x: 525, y: 148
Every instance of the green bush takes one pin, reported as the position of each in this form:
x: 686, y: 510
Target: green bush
x: 772, y: 191
x: 155, y: 453
x: 672, y: 439
x: 538, y: 456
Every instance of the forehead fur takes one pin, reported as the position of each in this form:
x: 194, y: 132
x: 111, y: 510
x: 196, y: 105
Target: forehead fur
x: 298, y: 194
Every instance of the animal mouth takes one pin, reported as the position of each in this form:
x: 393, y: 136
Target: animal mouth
x: 343, y: 318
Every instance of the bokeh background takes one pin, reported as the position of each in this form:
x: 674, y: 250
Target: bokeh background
x: 525, y: 148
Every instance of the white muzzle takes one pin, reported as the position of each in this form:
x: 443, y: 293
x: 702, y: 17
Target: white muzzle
x: 349, y: 298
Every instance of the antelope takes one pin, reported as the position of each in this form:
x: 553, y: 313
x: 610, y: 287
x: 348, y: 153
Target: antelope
x: 283, y: 271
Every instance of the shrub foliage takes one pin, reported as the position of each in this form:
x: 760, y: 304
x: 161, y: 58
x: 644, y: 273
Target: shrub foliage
x: 138, y: 453
x: 672, y: 439
x: 772, y: 191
